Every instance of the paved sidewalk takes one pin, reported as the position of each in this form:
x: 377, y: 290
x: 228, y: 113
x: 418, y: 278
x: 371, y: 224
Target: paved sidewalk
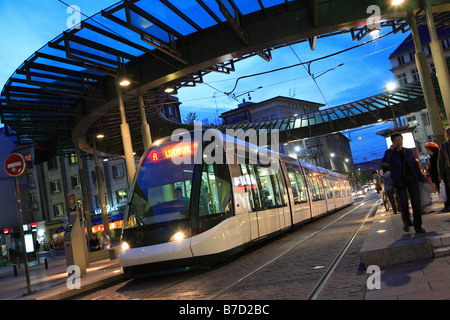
x: 413, y: 266
x: 51, y: 283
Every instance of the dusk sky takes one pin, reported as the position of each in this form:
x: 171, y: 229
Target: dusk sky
x: 27, y: 25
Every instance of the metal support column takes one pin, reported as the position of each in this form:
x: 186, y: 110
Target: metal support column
x: 426, y: 83
x: 101, y: 193
x: 145, y: 128
x: 126, y: 138
x: 84, y: 193
x: 440, y: 63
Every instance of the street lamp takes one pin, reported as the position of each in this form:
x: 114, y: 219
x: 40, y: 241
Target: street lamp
x: 397, y: 2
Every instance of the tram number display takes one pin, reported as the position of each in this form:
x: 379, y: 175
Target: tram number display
x: 172, y: 151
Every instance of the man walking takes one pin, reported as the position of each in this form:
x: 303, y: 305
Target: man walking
x: 406, y: 175
x: 444, y: 168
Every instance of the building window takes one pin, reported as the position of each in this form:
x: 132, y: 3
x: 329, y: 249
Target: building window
x: 52, y: 163
x: 75, y: 181
x: 121, y: 196
x: 58, y: 209
x: 402, y: 80
x: 426, y: 118
x: 401, y: 60
x: 433, y: 68
x: 117, y: 171
x: 412, y: 57
x: 415, y: 75
x: 73, y: 158
x: 55, y: 186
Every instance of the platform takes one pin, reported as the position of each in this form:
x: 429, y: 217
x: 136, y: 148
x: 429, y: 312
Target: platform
x: 387, y: 244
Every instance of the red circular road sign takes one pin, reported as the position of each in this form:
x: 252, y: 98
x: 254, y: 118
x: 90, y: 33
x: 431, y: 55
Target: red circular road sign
x: 15, y: 164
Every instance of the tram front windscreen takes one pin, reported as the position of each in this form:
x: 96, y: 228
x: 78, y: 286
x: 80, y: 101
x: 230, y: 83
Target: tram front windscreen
x: 163, y: 187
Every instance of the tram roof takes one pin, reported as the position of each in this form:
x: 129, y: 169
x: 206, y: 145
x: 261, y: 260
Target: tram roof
x: 66, y: 89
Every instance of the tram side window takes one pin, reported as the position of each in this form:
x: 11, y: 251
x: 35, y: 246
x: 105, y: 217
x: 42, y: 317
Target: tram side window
x: 215, y: 190
x: 328, y: 187
x: 315, y: 186
x: 270, y: 192
x: 337, y: 188
x: 277, y: 177
x: 298, y: 185
x: 347, y: 187
x: 251, y: 185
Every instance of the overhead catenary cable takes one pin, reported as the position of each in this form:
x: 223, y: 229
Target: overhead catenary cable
x: 305, y: 63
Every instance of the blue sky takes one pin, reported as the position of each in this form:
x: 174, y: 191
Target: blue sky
x: 27, y: 25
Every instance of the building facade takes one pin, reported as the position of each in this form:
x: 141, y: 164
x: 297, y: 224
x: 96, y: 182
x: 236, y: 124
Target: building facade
x: 405, y: 71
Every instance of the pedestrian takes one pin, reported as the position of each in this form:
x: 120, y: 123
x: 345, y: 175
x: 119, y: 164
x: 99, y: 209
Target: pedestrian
x: 105, y: 241
x: 51, y: 248
x: 444, y: 168
x: 389, y: 189
x: 94, y: 243
x: 378, y: 186
x: 433, y: 150
x: 406, y: 175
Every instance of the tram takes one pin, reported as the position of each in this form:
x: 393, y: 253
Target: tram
x: 195, y: 202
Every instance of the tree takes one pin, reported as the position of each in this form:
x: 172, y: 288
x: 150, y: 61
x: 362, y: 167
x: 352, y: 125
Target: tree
x: 191, y: 118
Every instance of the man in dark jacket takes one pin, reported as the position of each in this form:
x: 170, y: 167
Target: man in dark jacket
x: 406, y: 175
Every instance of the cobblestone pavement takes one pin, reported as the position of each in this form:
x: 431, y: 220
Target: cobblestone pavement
x: 285, y: 268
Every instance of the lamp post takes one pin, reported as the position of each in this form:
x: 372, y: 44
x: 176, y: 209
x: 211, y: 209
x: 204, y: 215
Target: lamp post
x: 101, y: 192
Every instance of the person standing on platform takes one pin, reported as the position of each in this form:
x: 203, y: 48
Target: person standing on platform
x: 389, y: 189
x: 444, y: 168
x: 433, y: 150
x: 105, y: 241
x: 406, y: 175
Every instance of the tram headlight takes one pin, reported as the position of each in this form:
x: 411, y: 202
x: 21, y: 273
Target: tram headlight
x: 180, y: 235
x: 125, y: 246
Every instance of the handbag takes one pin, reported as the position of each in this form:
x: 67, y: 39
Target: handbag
x: 442, y: 191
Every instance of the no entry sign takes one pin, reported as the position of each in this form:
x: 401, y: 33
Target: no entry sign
x: 15, y: 164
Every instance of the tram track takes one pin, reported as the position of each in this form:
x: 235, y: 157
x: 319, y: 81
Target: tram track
x: 181, y: 286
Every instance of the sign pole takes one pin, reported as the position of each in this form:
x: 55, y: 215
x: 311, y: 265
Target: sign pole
x: 22, y: 235
x: 14, y: 167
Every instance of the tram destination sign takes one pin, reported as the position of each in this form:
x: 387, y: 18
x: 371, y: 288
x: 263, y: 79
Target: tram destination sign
x: 15, y: 165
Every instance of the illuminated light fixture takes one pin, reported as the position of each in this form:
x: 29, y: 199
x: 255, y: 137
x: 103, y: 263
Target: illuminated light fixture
x: 125, y: 246
x: 124, y: 82
x: 100, y: 136
x: 397, y: 2
x: 169, y: 90
x: 381, y: 231
x: 178, y: 236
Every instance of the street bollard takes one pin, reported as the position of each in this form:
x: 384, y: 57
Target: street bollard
x: 46, y: 263
x: 15, y: 270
